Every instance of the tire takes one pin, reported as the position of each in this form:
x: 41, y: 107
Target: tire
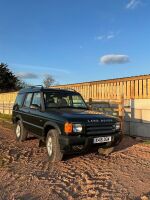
x: 53, y: 146
x: 20, y: 131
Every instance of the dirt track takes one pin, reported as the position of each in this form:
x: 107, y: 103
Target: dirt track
x: 26, y: 174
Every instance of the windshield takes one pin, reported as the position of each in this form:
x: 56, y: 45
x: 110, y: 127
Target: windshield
x: 63, y: 100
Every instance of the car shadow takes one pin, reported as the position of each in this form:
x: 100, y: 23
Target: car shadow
x: 31, y: 138
x: 124, y: 145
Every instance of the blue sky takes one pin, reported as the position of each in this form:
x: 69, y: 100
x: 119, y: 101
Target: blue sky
x: 75, y: 41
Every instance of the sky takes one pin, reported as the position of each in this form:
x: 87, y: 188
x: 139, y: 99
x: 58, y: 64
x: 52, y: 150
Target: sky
x: 75, y: 40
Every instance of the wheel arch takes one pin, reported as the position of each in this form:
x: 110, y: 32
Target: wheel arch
x: 48, y: 126
x: 17, y: 118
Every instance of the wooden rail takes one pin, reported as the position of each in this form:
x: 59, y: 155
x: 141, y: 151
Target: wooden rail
x: 137, y: 87
x: 6, y: 108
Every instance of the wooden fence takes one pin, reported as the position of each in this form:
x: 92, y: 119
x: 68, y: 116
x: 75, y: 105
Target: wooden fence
x: 6, y: 102
x: 137, y: 87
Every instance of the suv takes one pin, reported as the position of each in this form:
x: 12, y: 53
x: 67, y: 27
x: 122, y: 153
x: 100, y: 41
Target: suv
x: 62, y: 120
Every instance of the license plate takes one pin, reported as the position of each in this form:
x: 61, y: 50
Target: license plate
x: 102, y: 139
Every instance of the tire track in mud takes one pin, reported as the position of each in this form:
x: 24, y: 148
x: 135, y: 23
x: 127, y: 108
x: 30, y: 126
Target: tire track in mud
x: 87, y: 181
x: 88, y: 176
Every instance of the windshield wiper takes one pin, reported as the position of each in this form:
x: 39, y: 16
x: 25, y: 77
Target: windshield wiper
x: 85, y: 108
x: 81, y: 108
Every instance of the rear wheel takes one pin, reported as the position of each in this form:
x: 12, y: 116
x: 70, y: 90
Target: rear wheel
x: 20, y: 131
x: 53, y: 146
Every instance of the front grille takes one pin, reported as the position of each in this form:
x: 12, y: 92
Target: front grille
x: 98, y: 129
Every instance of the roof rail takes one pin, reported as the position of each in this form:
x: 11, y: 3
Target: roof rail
x: 70, y: 89
x: 35, y: 86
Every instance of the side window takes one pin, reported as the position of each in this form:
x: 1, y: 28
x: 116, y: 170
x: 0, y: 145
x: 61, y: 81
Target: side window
x: 27, y: 100
x: 19, y: 99
x: 36, y: 99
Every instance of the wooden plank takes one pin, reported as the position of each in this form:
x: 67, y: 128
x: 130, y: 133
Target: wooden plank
x: 136, y: 89
x: 140, y: 89
x: 83, y: 91
x: 112, y: 87
x: 117, y: 90
x: 121, y: 89
x: 148, y: 85
x: 87, y: 92
x: 145, y: 88
x: 108, y: 90
x: 102, y: 91
x: 128, y: 90
x: 93, y: 91
x: 98, y: 91
x: 105, y: 92
x: 132, y: 89
x: 125, y: 89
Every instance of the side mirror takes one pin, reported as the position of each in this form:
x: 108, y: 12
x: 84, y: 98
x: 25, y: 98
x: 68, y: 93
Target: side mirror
x: 35, y: 106
x: 89, y: 107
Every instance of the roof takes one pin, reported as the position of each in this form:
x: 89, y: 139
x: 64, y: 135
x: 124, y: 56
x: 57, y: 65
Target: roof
x: 42, y: 89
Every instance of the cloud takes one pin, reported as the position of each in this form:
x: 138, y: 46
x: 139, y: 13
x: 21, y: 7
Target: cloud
x: 100, y: 37
x: 27, y: 75
x: 114, y: 59
x: 133, y: 4
x: 108, y: 36
x: 44, y: 67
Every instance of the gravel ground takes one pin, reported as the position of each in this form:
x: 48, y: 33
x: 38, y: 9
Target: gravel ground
x: 25, y: 173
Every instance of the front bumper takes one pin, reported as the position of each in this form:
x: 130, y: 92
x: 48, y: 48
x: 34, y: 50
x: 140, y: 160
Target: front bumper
x: 68, y: 142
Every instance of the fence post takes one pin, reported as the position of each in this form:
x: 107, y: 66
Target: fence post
x: 3, y: 108
x: 121, y: 111
x: 9, y: 107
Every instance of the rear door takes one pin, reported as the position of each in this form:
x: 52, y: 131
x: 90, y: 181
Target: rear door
x: 36, y: 118
x: 25, y: 111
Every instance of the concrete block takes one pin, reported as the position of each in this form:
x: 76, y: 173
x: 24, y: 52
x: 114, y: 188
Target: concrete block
x: 126, y: 128
x: 127, y: 114
x: 140, y: 129
x: 140, y: 103
x: 146, y: 116
x: 136, y: 115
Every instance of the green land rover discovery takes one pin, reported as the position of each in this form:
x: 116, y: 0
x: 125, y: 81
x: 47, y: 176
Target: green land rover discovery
x: 61, y: 119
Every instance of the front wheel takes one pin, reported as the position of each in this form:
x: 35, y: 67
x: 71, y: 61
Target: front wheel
x: 20, y: 131
x: 53, y: 146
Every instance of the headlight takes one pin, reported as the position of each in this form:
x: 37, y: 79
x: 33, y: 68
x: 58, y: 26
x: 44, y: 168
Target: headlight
x: 117, y: 126
x: 77, y: 128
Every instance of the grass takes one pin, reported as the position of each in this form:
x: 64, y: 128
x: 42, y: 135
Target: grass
x: 5, y: 121
x: 5, y: 117
x: 146, y: 142
x: 6, y: 125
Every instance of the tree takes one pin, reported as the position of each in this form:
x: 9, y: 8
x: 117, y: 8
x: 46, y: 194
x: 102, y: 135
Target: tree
x: 48, y: 80
x: 8, y: 81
